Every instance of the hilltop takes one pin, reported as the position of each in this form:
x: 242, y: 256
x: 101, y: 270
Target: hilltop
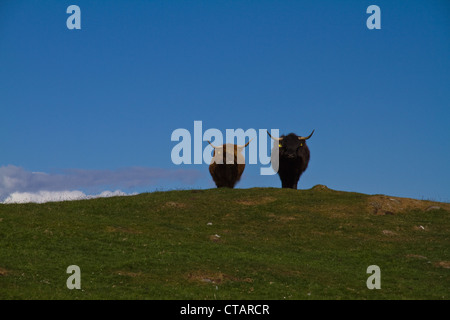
x: 260, y: 243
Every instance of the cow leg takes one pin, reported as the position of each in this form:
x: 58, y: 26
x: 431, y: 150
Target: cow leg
x: 294, y: 185
x: 289, y: 185
x: 296, y: 180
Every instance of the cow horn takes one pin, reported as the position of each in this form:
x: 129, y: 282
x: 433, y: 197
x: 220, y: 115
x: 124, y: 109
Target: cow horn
x: 276, y: 139
x: 306, y: 138
x: 214, y: 145
x: 243, y: 146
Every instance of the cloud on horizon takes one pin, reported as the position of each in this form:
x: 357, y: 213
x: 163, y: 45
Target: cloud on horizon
x: 16, y: 180
x: 51, y: 196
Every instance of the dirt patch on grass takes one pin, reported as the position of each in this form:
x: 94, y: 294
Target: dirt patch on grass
x: 389, y: 233
x: 282, y: 217
x: 256, y: 201
x: 320, y: 187
x: 416, y: 256
x: 122, y: 230
x: 129, y: 274
x: 215, y: 238
x: 338, y: 210
x: 4, y: 272
x: 214, y: 277
x: 385, y: 205
x: 173, y: 204
x: 443, y: 264
x: 330, y: 211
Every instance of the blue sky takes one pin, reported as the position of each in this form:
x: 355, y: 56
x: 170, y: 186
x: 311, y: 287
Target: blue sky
x: 106, y: 98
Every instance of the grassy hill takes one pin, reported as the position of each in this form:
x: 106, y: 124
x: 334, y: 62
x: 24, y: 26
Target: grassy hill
x: 260, y: 243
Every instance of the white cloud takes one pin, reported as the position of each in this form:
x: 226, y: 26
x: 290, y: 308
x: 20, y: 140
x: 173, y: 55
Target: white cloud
x: 19, y: 186
x: 52, y: 196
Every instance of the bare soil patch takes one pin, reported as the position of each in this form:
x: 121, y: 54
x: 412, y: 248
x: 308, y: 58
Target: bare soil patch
x: 256, y: 201
x: 386, y: 205
x: 214, y: 277
x: 4, y: 272
x: 282, y: 217
x: 321, y: 187
x: 215, y: 238
x: 173, y: 204
x: 122, y: 230
x: 443, y: 264
x: 129, y: 274
x: 416, y: 256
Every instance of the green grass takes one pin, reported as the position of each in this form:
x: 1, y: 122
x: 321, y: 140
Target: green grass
x: 272, y: 244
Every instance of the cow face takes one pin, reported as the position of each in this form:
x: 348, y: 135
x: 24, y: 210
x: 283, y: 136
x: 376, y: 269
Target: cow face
x: 228, y: 154
x: 290, y: 146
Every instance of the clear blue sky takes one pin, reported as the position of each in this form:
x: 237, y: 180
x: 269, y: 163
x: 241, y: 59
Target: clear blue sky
x: 108, y: 96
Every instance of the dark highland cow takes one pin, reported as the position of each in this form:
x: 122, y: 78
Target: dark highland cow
x: 293, y: 158
x: 227, y: 164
